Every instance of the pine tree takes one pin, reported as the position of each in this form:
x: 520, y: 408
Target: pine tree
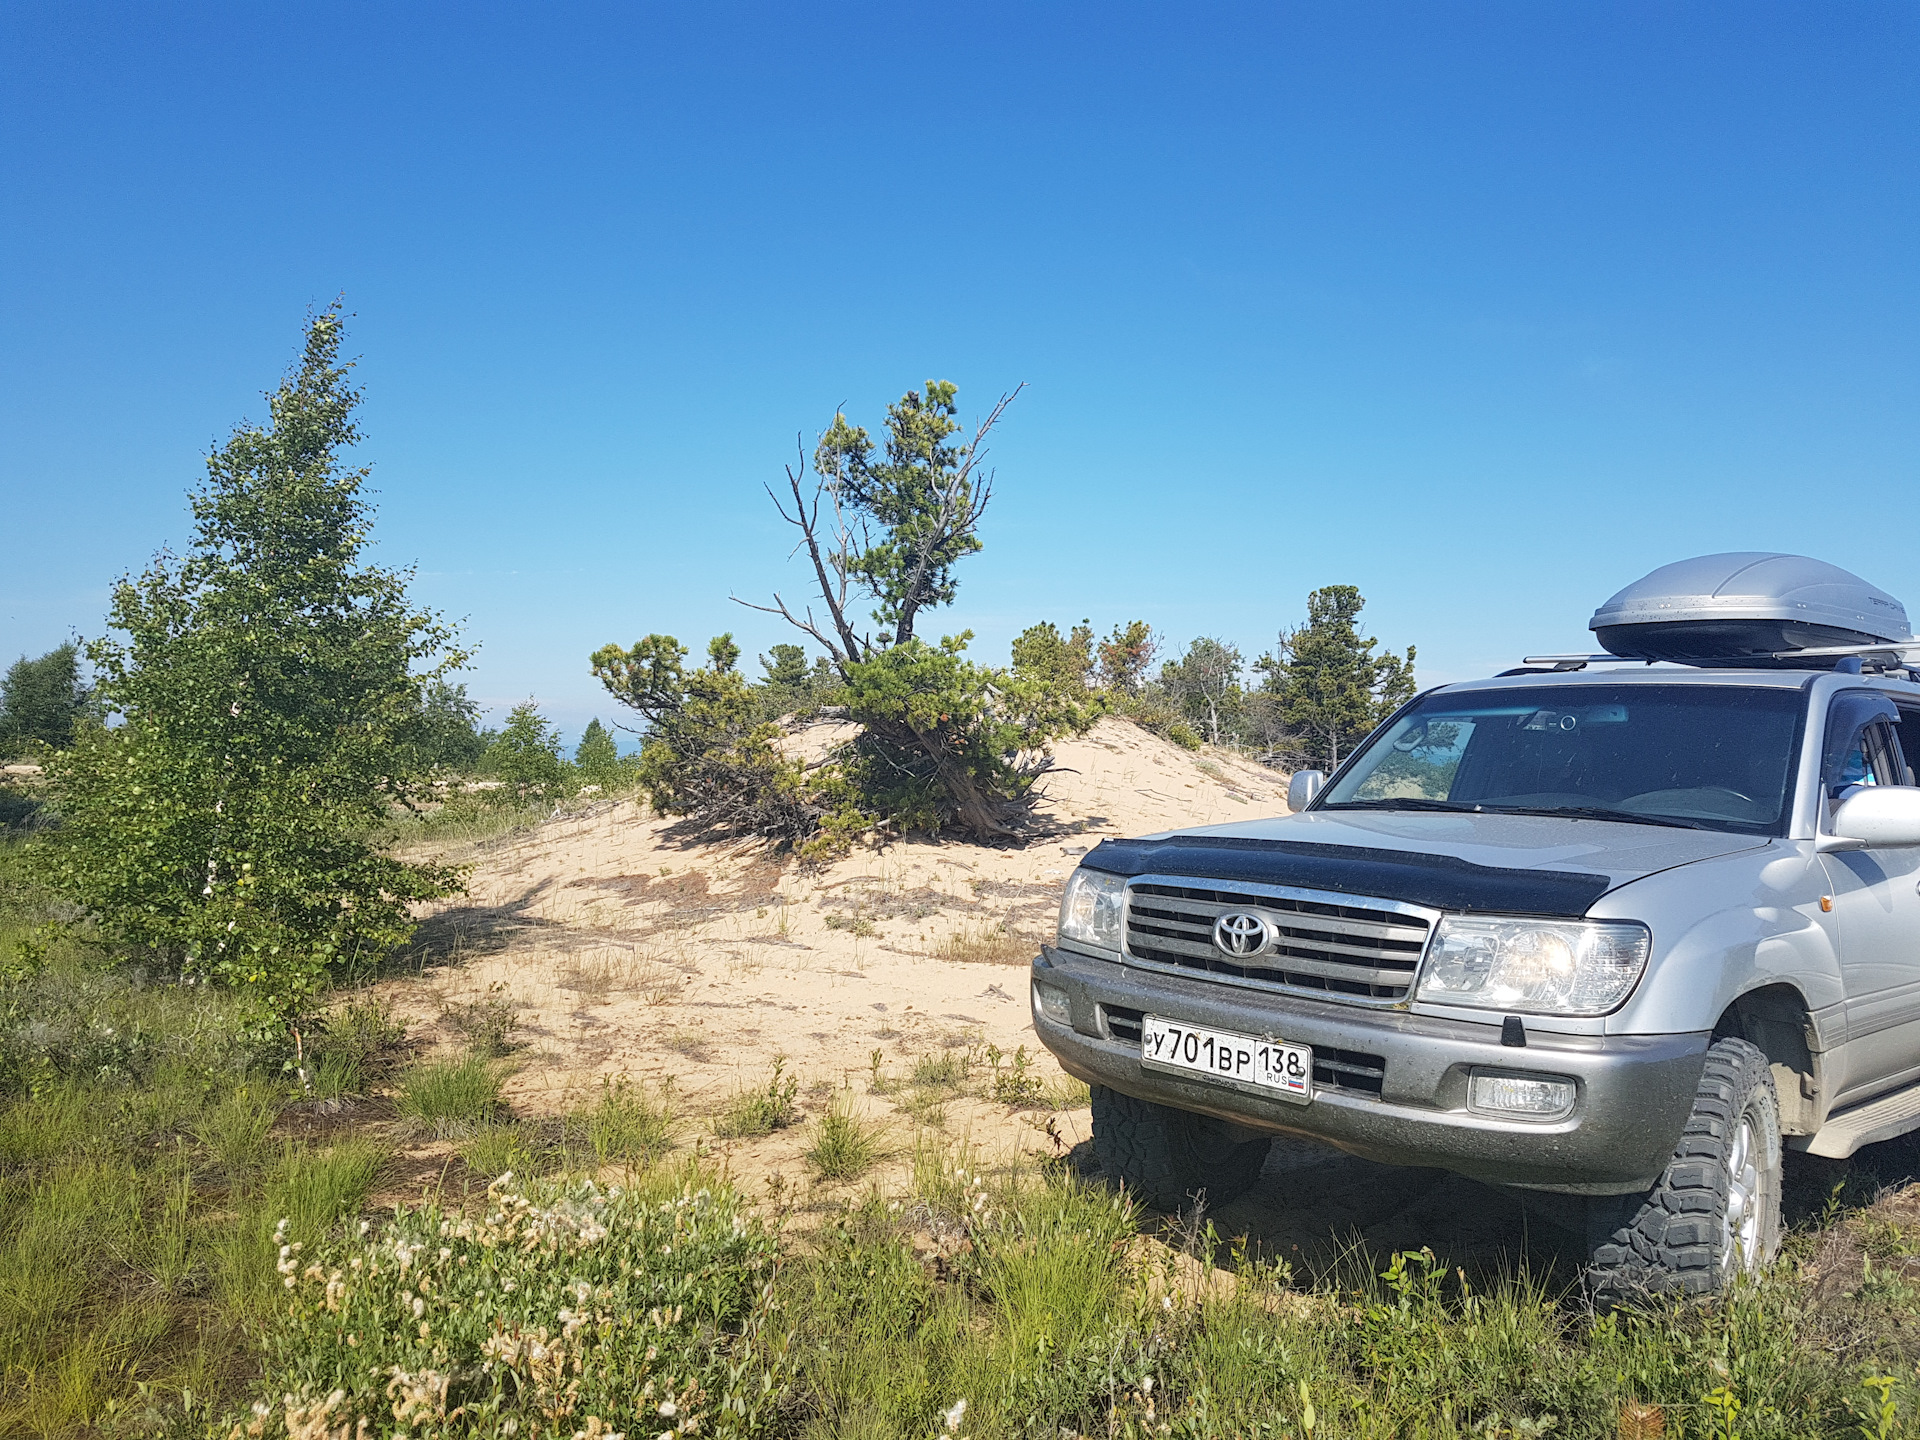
x: 1332, y: 688
x: 267, y: 686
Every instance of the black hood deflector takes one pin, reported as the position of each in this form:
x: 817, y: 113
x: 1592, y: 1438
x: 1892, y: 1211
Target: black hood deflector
x: 1445, y: 882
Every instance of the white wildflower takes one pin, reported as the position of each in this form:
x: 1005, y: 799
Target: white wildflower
x: 668, y: 1409
x: 956, y: 1414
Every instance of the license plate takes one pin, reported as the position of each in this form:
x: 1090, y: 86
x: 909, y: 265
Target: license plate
x: 1270, y: 1066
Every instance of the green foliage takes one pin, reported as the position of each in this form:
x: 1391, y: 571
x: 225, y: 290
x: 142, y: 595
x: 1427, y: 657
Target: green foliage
x: 597, y: 758
x: 761, y: 1111
x: 1205, y: 683
x: 1040, y: 653
x: 1331, y: 687
x: 842, y: 1148
x: 948, y: 742
x: 451, y: 1097
x: 709, y: 753
x: 792, y: 688
x: 555, y: 1310
x: 912, y: 496
x: 526, y: 757
x: 268, y: 689
x: 41, y: 701
x: 449, y: 734
x: 787, y: 670
x: 1123, y: 659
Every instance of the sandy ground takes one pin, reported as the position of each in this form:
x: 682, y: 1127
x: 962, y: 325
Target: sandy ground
x: 633, y: 948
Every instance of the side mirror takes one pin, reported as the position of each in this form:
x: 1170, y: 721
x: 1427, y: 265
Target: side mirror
x: 1877, y: 815
x: 1306, y: 784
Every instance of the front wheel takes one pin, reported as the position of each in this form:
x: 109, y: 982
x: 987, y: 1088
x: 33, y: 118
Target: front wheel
x: 1715, y: 1213
x: 1167, y: 1157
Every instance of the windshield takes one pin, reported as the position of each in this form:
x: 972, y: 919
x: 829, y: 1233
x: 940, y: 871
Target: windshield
x: 1717, y: 757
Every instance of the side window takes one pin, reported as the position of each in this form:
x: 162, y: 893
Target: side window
x: 1863, y: 748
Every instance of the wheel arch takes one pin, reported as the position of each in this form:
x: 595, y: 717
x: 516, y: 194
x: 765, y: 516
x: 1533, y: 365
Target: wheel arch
x: 1777, y: 1021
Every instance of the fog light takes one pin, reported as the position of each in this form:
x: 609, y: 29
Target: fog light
x: 1051, y: 1001
x: 1536, y: 1096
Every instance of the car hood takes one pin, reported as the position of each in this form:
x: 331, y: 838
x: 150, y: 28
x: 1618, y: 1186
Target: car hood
x: 1514, y: 864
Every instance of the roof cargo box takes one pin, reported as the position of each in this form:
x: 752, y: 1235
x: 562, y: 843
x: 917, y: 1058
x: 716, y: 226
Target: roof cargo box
x: 1743, y: 610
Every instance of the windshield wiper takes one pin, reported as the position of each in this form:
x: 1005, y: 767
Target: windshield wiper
x: 1596, y: 812
x: 1403, y: 802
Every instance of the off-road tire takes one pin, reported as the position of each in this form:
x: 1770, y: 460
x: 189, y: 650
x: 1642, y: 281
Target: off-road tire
x: 1167, y: 1157
x: 1675, y: 1239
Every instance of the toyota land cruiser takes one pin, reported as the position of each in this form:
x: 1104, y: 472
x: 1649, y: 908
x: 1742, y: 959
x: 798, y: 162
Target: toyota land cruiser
x: 1619, y: 926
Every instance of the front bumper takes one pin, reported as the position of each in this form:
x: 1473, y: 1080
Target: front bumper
x: 1633, y: 1093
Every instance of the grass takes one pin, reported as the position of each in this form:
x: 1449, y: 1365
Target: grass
x: 485, y: 1025
x: 986, y: 945
x: 842, y: 1148
x: 495, y: 1150
x: 622, y: 1127
x: 763, y: 1110
x: 451, y: 1097
x: 145, y: 1170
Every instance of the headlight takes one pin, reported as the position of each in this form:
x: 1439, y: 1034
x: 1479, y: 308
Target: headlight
x: 1090, y: 910
x: 1538, y: 967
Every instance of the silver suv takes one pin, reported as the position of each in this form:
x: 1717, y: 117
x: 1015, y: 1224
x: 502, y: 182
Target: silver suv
x: 1620, y: 933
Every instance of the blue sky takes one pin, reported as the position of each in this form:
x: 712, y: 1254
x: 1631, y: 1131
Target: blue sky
x: 1486, y: 309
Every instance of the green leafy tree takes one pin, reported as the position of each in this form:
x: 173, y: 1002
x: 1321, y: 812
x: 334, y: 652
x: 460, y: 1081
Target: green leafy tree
x: 1124, y: 657
x: 266, y: 686
x: 1205, y: 683
x: 450, y: 733
x: 1332, y: 688
x: 709, y: 753
x: 527, y: 757
x: 597, y: 758
x: 892, y: 523
x: 41, y: 701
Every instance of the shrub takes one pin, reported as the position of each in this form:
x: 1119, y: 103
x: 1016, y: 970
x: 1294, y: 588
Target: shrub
x: 451, y: 1097
x: 486, y: 1024
x: 622, y: 1127
x: 559, y: 1309
x: 947, y: 742
x: 709, y: 753
x: 761, y: 1111
x: 843, y: 1148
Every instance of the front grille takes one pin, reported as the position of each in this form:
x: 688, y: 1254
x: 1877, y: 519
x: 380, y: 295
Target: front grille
x: 1352, y: 1071
x: 1335, y: 949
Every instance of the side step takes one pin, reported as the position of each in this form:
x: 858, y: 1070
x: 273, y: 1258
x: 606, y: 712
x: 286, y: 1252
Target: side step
x: 1868, y: 1124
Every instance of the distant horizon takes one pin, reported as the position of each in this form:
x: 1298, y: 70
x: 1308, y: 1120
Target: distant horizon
x: 1485, y: 312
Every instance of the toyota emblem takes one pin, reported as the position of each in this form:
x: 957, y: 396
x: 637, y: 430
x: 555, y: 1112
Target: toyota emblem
x: 1239, y: 933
